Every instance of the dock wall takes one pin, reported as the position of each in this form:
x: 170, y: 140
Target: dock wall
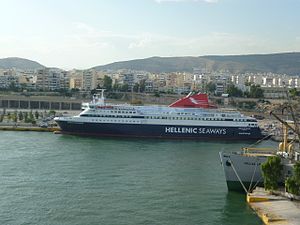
x: 39, y: 103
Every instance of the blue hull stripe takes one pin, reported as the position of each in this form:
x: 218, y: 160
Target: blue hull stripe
x: 160, y: 131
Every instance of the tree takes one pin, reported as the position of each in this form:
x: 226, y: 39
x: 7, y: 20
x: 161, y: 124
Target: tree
x: 142, y: 85
x: 210, y: 87
x: 293, y: 92
x: 292, y: 183
x: 13, y: 86
x: 26, y: 117
x: 20, y: 115
x: 234, y: 91
x: 116, y: 87
x: 124, y: 88
x: 31, y: 115
x: 8, y: 116
x: 107, y: 83
x: 136, y: 87
x: 52, y: 112
x: 93, y: 91
x: 256, y: 91
x: 36, y: 114
x: 271, y: 172
x: 15, y: 116
x: 156, y: 94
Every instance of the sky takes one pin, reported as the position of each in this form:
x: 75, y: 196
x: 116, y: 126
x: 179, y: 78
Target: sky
x: 85, y: 33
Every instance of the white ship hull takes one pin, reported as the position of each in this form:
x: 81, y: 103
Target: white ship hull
x: 242, y: 169
x: 239, y: 167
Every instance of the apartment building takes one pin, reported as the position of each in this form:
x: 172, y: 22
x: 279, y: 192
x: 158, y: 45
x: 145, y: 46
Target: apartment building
x: 48, y: 79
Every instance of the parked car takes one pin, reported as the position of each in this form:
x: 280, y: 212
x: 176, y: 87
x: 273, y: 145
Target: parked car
x: 43, y: 124
x: 258, y: 117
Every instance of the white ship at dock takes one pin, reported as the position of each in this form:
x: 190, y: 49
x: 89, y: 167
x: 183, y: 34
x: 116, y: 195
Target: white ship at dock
x: 243, y: 168
x: 191, y: 117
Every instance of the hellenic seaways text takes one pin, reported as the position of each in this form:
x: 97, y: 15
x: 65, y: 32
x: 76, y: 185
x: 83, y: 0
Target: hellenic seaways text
x: 194, y: 130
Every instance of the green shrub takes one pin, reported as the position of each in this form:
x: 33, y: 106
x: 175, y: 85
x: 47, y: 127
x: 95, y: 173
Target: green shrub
x: 292, y: 184
x: 271, y: 172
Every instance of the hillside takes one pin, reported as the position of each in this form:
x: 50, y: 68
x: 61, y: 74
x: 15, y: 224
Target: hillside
x: 19, y: 63
x: 288, y: 63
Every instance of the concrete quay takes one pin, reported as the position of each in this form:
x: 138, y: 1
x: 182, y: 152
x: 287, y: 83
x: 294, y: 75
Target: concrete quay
x: 29, y: 128
x: 274, y: 209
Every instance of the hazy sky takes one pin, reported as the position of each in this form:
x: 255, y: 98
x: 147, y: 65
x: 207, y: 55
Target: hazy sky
x: 84, y: 33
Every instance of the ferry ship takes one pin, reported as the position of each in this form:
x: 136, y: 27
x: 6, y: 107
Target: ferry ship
x: 191, y: 117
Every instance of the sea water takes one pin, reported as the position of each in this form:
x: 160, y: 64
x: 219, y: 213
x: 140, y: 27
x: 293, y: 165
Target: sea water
x: 61, y: 179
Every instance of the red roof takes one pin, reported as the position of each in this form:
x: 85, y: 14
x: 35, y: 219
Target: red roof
x: 193, y: 101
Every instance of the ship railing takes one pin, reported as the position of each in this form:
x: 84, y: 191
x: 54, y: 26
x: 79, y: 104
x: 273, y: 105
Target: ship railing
x: 248, y: 150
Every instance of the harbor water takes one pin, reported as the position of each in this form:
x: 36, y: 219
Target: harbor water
x: 60, y: 179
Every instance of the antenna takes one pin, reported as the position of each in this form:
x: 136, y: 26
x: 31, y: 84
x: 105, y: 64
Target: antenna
x: 101, y: 99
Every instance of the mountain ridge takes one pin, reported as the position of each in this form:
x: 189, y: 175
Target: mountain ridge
x: 19, y: 63
x: 282, y: 63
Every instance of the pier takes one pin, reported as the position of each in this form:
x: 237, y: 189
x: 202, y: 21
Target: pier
x: 274, y: 209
